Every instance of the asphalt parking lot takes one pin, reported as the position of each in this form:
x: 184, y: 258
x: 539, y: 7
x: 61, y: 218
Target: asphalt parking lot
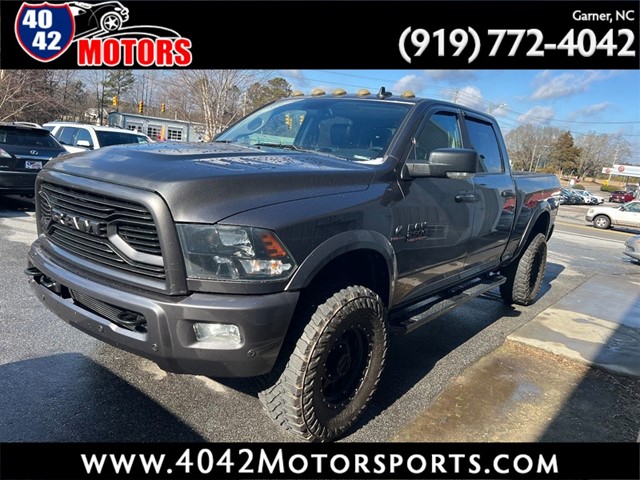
x: 64, y: 386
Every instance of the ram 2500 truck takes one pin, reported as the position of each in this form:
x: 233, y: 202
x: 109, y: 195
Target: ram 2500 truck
x: 290, y: 247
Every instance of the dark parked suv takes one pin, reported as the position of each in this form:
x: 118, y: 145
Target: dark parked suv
x: 24, y: 150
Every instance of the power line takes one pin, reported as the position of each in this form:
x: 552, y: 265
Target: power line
x: 484, y: 101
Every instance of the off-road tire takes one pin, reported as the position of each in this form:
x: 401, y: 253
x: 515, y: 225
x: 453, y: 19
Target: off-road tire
x: 334, y: 369
x: 602, y: 221
x: 524, y: 277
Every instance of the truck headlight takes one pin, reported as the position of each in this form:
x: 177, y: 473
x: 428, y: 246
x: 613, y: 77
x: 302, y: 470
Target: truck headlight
x: 219, y: 252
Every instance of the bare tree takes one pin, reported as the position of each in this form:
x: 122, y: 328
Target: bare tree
x: 70, y: 94
x: 600, y: 150
x: 218, y: 94
x: 33, y: 95
x: 96, y: 80
x: 12, y: 84
x: 530, y: 146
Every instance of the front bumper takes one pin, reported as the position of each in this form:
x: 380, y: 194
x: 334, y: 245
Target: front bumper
x: 169, y: 339
x: 630, y: 251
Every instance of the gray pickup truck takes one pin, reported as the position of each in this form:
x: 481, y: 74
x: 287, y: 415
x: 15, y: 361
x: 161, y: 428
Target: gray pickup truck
x: 292, y: 246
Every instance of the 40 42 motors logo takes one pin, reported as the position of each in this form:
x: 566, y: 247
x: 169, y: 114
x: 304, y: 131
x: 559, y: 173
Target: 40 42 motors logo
x: 102, y: 35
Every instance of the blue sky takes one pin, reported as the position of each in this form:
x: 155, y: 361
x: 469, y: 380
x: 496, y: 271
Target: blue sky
x: 581, y: 101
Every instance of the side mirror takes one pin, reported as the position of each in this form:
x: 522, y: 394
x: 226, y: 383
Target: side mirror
x: 84, y: 144
x: 444, y: 161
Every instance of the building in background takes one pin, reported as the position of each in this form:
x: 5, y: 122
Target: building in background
x: 159, y: 129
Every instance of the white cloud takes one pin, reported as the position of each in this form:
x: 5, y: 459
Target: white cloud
x: 408, y: 82
x: 468, y: 96
x: 590, y: 110
x: 537, y: 116
x: 451, y: 75
x: 547, y: 85
x: 498, y: 110
x: 296, y: 77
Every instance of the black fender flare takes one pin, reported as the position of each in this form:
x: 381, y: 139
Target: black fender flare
x: 543, y: 207
x: 338, y: 245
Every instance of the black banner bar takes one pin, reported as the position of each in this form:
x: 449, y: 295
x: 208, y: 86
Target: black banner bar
x: 330, y: 34
x: 308, y: 461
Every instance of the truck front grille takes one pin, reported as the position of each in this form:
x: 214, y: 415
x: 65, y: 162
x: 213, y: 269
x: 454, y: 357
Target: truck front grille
x: 87, y: 224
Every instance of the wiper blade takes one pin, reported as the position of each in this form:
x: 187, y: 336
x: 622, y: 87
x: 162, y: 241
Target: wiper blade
x: 287, y: 146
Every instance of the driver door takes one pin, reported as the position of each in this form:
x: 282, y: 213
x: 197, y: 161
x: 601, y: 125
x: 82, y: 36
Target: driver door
x: 432, y: 223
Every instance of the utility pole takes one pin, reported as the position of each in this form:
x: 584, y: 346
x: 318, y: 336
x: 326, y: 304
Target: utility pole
x: 615, y: 160
x: 533, y: 155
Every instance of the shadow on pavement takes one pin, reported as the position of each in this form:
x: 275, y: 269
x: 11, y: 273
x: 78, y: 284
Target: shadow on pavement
x: 87, y: 403
x: 14, y: 207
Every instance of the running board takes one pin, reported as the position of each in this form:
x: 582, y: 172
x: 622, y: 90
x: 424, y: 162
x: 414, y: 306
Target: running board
x: 416, y: 316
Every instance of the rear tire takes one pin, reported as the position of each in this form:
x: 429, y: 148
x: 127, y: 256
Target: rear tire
x: 334, y: 369
x: 524, y: 277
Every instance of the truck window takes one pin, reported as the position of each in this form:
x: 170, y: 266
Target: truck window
x: 483, y: 140
x: 67, y: 135
x: 440, y: 131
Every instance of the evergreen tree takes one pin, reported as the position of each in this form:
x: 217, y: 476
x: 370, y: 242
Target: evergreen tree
x: 565, y: 156
x: 260, y: 94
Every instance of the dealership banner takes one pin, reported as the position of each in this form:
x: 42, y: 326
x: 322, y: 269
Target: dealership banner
x: 624, y: 170
x: 330, y: 34
x: 73, y: 461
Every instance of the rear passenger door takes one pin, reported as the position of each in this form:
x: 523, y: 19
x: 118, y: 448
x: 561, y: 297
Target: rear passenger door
x: 495, y: 194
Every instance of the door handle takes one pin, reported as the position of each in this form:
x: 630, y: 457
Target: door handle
x: 466, y: 197
x: 508, y: 193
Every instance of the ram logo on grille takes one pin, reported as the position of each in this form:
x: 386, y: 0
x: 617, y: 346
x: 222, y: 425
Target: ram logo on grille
x: 72, y: 221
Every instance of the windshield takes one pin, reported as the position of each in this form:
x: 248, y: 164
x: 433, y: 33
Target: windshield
x: 27, y: 138
x: 352, y: 129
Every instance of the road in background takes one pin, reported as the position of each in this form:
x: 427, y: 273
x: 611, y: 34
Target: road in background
x: 59, y: 384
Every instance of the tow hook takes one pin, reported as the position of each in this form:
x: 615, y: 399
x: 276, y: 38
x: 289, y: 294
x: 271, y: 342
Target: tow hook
x: 43, y: 280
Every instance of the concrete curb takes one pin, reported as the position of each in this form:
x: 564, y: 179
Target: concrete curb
x: 597, y: 324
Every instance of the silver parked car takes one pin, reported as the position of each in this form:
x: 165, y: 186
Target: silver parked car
x: 589, y: 197
x: 632, y: 247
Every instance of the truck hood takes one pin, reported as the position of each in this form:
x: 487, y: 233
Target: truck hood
x: 209, y: 182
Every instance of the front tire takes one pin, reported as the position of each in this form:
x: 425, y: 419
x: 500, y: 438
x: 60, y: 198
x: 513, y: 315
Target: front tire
x: 524, y: 277
x: 334, y: 369
x: 602, y: 221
